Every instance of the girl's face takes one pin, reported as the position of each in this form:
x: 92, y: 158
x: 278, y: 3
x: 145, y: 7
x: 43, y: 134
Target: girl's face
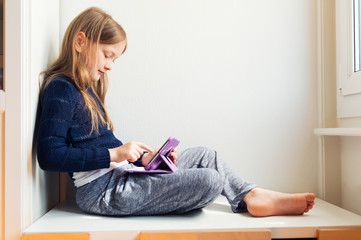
x: 102, y: 59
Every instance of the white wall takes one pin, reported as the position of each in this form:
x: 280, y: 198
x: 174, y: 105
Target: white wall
x: 44, y: 48
x: 237, y: 76
x: 350, y: 153
x: 31, y: 40
x: 350, y: 172
x: 342, y: 159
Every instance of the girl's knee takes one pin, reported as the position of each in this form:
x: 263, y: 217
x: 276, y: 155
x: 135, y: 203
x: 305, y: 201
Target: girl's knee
x: 210, y: 179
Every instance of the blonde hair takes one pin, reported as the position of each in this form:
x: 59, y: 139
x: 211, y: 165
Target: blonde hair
x: 98, y: 27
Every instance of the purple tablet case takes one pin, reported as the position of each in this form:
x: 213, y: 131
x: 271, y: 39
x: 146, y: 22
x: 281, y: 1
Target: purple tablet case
x: 160, y: 163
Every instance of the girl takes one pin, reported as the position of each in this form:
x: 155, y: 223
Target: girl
x: 76, y: 136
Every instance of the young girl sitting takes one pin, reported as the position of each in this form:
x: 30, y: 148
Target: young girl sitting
x: 76, y: 136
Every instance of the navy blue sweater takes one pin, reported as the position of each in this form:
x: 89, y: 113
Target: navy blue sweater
x: 63, y: 141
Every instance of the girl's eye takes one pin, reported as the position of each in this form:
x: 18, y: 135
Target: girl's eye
x: 107, y: 56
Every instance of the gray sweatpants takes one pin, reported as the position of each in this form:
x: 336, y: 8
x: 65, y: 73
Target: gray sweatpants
x: 201, y: 178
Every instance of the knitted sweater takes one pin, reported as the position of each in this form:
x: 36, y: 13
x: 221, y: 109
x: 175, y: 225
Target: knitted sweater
x: 63, y: 141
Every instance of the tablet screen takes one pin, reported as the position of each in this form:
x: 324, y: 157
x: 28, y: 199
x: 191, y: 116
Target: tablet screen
x: 157, y: 154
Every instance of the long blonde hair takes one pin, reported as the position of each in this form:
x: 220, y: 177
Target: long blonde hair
x: 98, y: 27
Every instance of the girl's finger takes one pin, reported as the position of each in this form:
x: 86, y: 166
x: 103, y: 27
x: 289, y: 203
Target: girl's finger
x: 144, y: 146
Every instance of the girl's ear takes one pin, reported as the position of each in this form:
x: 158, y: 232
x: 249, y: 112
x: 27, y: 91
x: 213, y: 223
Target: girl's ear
x: 80, y: 42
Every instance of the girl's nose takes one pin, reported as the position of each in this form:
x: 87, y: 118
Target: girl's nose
x: 108, y: 66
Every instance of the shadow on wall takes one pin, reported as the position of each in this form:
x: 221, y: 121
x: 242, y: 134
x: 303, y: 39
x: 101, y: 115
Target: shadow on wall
x: 46, y: 183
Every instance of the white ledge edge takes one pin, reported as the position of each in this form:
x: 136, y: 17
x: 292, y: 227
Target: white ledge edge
x: 337, y: 131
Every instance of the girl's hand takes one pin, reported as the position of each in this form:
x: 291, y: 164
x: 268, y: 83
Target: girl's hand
x: 173, y: 155
x: 130, y: 151
x: 148, y: 156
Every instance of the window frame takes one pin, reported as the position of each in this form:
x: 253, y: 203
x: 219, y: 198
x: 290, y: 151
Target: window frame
x: 348, y: 81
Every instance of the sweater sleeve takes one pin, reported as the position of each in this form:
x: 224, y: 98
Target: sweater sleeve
x: 55, y: 152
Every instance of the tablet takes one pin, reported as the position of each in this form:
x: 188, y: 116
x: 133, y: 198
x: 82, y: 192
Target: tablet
x: 160, y: 163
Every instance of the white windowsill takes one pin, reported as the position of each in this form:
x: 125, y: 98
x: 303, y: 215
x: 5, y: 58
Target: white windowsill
x: 67, y: 218
x: 338, y: 132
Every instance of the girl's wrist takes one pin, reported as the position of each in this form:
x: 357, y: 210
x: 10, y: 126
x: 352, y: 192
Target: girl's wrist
x: 112, y: 154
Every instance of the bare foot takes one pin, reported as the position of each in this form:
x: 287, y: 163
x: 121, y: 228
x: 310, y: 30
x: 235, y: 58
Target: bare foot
x: 261, y: 202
